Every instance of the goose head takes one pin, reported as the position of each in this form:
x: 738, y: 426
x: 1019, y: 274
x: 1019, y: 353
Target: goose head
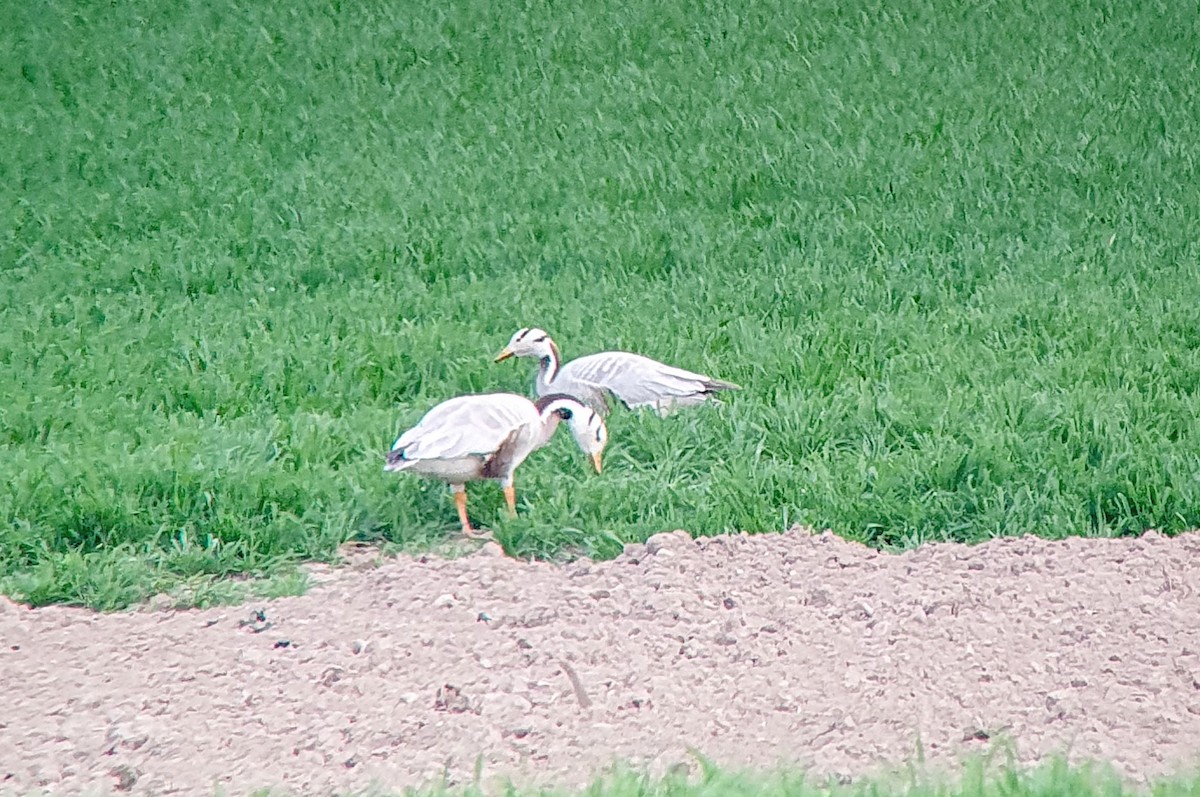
x: 529, y: 342
x: 586, y: 425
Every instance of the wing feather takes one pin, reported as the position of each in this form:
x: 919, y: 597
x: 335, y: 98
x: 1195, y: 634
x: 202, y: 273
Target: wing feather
x: 475, y: 425
x: 637, y: 381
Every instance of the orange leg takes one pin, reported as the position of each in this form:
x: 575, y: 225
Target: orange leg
x: 460, y: 501
x: 510, y: 498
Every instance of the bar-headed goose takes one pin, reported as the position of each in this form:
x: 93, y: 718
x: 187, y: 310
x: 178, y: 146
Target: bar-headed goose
x: 632, y: 379
x: 486, y: 436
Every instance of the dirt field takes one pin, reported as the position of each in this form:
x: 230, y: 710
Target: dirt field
x: 756, y: 650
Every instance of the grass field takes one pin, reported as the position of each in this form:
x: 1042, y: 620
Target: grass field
x: 950, y: 251
x: 977, y: 779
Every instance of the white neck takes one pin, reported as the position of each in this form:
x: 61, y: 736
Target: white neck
x: 549, y: 412
x: 548, y: 369
x: 550, y: 421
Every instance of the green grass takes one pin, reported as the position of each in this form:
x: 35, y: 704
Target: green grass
x: 978, y: 778
x: 950, y: 251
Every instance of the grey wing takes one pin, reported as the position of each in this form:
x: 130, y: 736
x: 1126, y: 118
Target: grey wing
x: 638, y: 381
x: 593, y: 394
x: 465, y: 426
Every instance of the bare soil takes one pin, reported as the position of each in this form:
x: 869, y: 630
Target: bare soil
x: 756, y: 650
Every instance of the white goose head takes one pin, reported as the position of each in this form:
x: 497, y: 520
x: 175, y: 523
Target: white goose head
x: 586, y: 425
x: 529, y: 342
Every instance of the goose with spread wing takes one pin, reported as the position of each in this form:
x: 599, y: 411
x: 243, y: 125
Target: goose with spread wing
x: 486, y: 436
x: 632, y: 379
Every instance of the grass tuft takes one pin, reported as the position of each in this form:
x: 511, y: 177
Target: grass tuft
x: 979, y: 777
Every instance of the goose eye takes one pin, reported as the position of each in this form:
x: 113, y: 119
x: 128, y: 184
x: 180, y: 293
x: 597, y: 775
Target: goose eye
x: 565, y: 414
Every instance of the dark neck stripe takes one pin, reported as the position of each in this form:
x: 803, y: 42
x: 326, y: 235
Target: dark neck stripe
x: 552, y: 362
x: 545, y: 401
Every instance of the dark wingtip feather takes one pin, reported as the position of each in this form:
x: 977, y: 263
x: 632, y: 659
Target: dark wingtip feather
x: 713, y: 385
